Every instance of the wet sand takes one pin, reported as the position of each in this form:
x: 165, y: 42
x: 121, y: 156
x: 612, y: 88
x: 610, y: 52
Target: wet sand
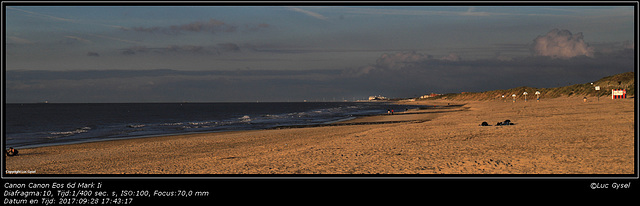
x: 553, y: 136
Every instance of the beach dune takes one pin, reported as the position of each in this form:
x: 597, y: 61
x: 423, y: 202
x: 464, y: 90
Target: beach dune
x: 554, y: 136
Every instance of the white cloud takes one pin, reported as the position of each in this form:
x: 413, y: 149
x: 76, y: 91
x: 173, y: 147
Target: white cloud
x: 43, y: 15
x: 471, y: 12
x: 19, y: 40
x: 309, y: 13
x: 561, y: 44
x: 451, y: 57
x: 76, y: 39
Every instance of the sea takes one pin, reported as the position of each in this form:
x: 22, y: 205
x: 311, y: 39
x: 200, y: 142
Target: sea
x: 46, y: 124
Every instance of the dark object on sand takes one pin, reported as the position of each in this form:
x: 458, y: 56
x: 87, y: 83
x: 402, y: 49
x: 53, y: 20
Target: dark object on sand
x: 506, y: 122
x: 11, y: 152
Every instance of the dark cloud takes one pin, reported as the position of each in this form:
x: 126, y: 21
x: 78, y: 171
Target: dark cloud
x: 559, y: 59
x: 399, y: 60
x: 163, y: 85
x: 229, y: 47
x: 143, y: 29
x: 261, y: 25
x: 397, y: 74
x: 93, y: 54
x: 38, y: 75
x: 71, y: 40
x: 180, y: 49
x: 185, y: 48
x: 612, y: 47
x: 212, y: 26
x: 135, y: 49
x: 405, y: 74
x: 128, y: 52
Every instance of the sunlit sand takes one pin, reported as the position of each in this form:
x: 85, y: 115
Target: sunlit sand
x: 553, y: 136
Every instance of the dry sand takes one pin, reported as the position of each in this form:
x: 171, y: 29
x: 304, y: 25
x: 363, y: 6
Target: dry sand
x: 554, y: 136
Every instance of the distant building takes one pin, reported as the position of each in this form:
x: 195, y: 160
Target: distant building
x: 429, y: 95
x: 371, y: 98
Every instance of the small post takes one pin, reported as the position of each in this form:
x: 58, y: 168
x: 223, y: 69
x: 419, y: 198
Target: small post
x: 538, y: 96
x: 514, y: 97
x: 525, y: 96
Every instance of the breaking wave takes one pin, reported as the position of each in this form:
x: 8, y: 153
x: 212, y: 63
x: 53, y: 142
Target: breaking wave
x: 69, y: 133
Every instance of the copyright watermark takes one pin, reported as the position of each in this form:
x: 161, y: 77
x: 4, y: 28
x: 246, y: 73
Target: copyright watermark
x: 615, y: 185
x: 19, y: 171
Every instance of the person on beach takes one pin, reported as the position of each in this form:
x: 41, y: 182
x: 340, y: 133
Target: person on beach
x: 11, y: 152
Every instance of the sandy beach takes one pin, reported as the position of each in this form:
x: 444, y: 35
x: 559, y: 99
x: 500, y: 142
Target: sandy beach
x: 554, y: 136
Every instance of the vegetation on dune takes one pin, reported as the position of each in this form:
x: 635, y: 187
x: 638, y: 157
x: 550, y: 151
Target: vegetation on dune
x: 620, y: 81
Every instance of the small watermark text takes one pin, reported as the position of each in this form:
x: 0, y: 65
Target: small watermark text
x: 615, y: 185
x: 19, y: 171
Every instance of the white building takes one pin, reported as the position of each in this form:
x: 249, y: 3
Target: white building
x: 429, y: 95
x: 377, y: 98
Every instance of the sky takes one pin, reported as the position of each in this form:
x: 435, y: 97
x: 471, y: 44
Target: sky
x: 280, y: 52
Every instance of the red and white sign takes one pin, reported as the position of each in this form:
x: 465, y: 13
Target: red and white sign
x: 618, y: 94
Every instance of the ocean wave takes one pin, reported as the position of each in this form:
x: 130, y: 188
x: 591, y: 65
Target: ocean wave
x: 172, y: 124
x: 136, y: 125
x: 198, y: 126
x: 68, y: 133
x: 195, y: 125
x: 202, y: 123
x: 273, y: 116
x: 245, y: 118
